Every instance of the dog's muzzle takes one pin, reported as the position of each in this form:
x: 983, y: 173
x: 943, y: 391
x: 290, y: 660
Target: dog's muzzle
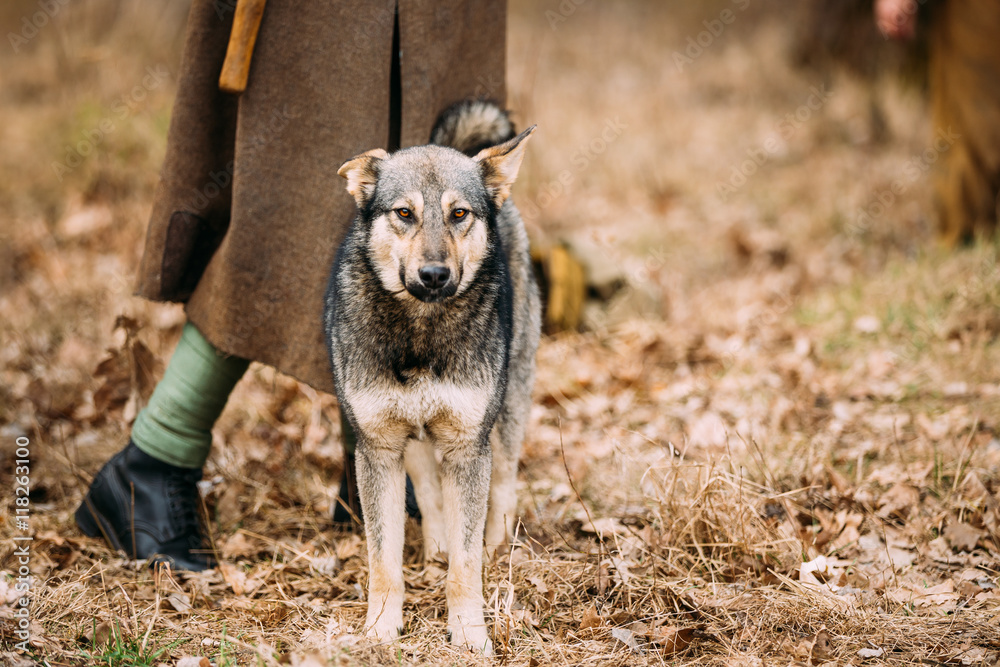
x: 435, y: 283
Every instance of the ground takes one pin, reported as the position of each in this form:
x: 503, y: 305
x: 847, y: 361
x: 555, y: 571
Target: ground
x: 775, y: 443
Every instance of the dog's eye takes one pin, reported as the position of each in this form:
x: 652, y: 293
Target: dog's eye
x: 404, y: 213
x: 459, y: 213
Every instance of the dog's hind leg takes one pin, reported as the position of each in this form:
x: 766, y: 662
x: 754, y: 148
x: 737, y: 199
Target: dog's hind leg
x: 382, y: 487
x: 503, y: 493
x: 506, y: 440
x: 465, y: 479
x: 421, y: 466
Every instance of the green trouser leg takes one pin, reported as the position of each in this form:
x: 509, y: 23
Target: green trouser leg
x: 176, y: 426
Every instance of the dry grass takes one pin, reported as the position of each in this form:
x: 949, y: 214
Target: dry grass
x: 771, y: 387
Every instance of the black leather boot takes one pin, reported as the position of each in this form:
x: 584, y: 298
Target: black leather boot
x: 146, y: 508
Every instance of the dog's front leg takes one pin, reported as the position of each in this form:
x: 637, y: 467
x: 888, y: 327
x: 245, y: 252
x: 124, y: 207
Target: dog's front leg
x: 465, y: 483
x: 382, y: 489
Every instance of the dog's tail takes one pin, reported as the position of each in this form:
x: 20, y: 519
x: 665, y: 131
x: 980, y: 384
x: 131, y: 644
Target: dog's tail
x: 472, y: 125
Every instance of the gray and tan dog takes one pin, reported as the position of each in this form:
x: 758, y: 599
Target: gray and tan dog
x: 432, y: 318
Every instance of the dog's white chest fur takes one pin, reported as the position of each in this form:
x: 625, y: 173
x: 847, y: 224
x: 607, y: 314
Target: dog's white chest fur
x: 422, y: 400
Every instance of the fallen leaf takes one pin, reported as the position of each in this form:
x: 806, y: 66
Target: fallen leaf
x: 866, y: 653
x: 941, y: 595
x: 524, y: 617
x: 899, y: 559
x: 639, y: 628
x: 672, y: 639
x: 325, y: 565
x: 14, y: 660
x: 973, y: 489
x: 229, y: 511
x: 433, y: 575
x: 621, y: 569
x: 591, y: 619
x: 181, y: 602
x: 605, y: 526
x: 269, y: 612
x: 234, y: 576
x: 97, y: 635
x: 898, y: 501
x: 962, y: 536
x: 309, y: 660
x: 625, y: 637
x: 939, y: 550
x: 988, y: 596
x: 822, y: 649
x: 820, y: 573
x: 937, y: 595
x: 192, y: 661
x: 101, y: 634
x: 129, y: 373
x: 538, y: 584
x: 238, y: 546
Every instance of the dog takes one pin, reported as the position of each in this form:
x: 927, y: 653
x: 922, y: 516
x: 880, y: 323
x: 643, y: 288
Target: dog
x: 432, y: 318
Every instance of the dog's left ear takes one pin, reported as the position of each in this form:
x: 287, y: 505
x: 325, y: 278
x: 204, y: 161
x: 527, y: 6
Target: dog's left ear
x: 499, y: 165
x: 361, y: 172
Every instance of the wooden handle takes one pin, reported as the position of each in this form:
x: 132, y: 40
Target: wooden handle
x: 246, y: 22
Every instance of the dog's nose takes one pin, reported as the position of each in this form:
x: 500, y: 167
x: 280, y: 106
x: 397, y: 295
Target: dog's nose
x: 434, y: 276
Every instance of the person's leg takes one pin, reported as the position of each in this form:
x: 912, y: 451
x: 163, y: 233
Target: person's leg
x: 964, y: 78
x: 176, y: 426
x: 144, y: 501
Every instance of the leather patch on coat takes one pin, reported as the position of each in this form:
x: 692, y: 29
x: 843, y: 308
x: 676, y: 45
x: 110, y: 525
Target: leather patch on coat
x: 191, y: 241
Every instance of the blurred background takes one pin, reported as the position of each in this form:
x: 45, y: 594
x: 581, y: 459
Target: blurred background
x: 713, y: 165
x: 746, y: 184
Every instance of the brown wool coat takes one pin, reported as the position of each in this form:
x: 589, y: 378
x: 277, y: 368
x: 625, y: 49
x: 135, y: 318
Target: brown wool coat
x: 250, y: 210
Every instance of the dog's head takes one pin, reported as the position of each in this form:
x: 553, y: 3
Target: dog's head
x: 429, y: 209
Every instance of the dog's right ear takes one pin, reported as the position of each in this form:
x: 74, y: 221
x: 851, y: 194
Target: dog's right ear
x: 361, y: 172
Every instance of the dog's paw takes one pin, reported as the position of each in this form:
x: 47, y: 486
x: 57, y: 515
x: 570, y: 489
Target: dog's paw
x: 472, y: 637
x: 385, y: 629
